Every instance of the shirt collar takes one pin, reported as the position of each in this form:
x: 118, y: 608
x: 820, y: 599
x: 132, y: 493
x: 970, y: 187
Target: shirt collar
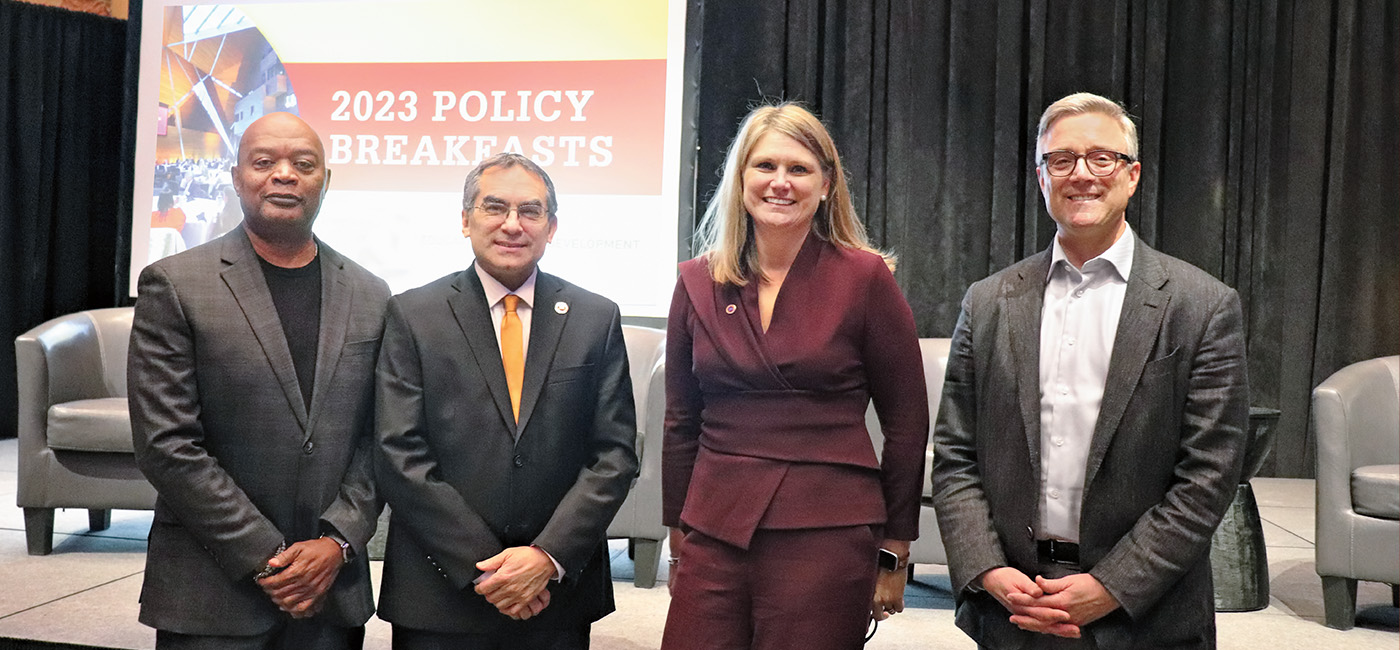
x: 495, y: 291
x: 1119, y: 256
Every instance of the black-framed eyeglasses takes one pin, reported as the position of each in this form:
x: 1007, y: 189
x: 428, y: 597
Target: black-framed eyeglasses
x: 1099, y: 162
x: 526, y: 211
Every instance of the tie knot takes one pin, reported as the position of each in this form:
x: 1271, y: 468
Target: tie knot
x: 512, y: 301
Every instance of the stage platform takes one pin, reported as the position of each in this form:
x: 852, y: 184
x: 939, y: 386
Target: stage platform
x: 85, y: 593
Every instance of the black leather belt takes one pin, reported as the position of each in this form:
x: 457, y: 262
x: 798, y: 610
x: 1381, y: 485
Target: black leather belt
x: 1056, y: 551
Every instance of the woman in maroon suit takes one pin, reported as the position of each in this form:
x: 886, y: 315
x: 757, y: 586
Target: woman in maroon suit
x: 781, y: 332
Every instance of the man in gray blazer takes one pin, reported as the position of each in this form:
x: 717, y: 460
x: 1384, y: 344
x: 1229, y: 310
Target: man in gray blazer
x: 251, y: 373
x: 506, y: 431
x: 1093, y: 421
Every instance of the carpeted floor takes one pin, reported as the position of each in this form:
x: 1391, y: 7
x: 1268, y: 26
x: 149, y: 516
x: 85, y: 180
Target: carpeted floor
x: 85, y: 594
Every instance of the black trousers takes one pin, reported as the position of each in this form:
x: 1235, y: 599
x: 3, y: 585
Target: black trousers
x: 295, y: 634
x: 567, y: 639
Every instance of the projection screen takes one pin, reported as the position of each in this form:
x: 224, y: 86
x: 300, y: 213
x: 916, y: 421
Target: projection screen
x: 408, y: 95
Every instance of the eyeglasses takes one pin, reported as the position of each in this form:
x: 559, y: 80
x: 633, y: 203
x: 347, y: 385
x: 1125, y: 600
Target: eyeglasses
x: 1099, y: 162
x: 528, y: 212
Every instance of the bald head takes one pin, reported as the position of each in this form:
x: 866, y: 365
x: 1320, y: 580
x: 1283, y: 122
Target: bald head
x: 280, y: 178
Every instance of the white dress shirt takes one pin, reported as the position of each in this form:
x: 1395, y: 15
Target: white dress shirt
x: 1078, y: 324
x: 495, y: 296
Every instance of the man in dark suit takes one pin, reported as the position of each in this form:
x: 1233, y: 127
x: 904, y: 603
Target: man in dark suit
x: 1093, y: 421
x: 251, y: 372
x: 506, y: 429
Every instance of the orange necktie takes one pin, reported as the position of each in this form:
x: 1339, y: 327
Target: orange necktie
x: 513, y: 353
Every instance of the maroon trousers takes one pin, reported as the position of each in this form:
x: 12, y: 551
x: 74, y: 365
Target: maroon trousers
x: 808, y: 588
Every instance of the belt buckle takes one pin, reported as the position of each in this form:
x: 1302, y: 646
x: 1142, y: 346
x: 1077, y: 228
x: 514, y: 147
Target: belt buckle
x: 1058, y: 552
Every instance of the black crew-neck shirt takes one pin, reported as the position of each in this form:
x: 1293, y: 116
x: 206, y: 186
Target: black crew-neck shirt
x: 297, y: 295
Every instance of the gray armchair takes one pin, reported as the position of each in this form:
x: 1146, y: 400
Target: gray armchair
x: 1356, y: 419
x: 928, y: 549
x: 74, y: 430
x: 639, y: 519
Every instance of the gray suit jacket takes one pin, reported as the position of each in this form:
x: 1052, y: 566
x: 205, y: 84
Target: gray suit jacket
x: 221, y: 430
x: 1163, y: 461
x: 465, y: 482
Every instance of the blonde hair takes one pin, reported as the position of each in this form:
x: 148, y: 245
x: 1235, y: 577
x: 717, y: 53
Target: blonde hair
x: 1079, y: 104
x: 725, y: 235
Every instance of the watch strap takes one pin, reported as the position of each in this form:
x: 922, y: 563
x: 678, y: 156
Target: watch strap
x: 347, y: 552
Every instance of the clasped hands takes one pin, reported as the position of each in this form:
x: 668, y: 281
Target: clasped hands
x: 1061, y: 606
x: 515, y: 581
x: 308, y: 569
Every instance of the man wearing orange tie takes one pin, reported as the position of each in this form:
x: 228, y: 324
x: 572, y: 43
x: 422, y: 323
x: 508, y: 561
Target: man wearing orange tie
x: 505, y: 425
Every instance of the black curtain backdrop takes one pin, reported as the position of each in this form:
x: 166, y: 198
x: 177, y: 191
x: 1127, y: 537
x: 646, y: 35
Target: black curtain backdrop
x: 1269, y: 136
x: 61, y: 167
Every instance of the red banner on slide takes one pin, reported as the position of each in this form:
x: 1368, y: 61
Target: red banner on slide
x: 595, y: 126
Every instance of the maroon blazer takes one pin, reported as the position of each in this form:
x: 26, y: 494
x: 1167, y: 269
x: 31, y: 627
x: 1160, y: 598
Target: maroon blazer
x: 767, y: 430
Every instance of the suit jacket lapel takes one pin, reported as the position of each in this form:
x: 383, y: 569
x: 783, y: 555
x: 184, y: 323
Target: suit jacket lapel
x: 336, y: 299
x: 1144, y: 306
x: 1024, y: 300
x: 473, y: 316
x: 244, y: 276
x: 546, y: 325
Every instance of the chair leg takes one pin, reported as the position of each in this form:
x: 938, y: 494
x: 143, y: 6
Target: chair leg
x: 1339, y: 602
x: 99, y: 519
x: 38, y: 530
x: 1395, y: 595
x: 648, y: 557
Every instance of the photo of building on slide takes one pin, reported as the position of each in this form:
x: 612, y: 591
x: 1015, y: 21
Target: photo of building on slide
x: 217, y: 75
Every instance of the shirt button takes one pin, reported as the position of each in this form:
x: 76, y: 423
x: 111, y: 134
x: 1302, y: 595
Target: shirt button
x: 519, y: 461
x: 1059, y: 442
x: 1070, y: 341
x: 1054, y: 494
x: 1064, y: 390
x: 1079, y: 293
x: 308, y: 447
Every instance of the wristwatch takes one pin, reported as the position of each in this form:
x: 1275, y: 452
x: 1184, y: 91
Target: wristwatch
x: 347, y: 553
x: 889, y: 561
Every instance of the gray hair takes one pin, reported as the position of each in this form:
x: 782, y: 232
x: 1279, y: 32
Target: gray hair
x: 1079, y: 104
x: 472, y: 187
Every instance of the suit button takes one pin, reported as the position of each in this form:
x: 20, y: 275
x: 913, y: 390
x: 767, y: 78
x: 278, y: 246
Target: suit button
x: 519, y: 461
x: 308, y: 447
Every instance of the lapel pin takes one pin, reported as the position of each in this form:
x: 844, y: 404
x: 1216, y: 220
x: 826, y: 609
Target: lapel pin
x: 561, y: 307
x: 729, y: 309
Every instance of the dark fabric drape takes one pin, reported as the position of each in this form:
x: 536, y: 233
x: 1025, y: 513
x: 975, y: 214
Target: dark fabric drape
x: 1268, y: 129
x: 60, y: 161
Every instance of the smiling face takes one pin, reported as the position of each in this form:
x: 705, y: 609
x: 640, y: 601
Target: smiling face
x: 508, y: 247
x: 1083, y: 205
x: 280, y: 177
x: 783, y: 183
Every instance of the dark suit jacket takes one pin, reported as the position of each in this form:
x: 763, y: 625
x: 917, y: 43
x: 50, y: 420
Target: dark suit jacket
x: 465, y: 482
x: 767, y: 430
x: 1163, y: 461
x: 222, y: 432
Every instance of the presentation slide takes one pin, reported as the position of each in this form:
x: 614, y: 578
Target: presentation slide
x: 408, y: 96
